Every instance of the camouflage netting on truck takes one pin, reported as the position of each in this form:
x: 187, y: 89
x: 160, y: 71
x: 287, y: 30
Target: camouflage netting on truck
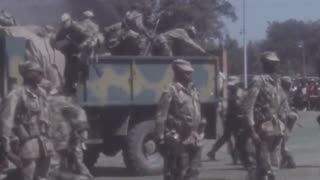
x: 38, y: 48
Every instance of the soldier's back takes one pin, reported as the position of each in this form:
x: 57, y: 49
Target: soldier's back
x: 90, y: 27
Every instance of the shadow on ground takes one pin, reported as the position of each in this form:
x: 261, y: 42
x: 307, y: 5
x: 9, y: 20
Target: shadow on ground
x: 111, y: 171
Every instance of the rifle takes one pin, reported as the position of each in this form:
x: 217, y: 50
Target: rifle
x: 159, y: 13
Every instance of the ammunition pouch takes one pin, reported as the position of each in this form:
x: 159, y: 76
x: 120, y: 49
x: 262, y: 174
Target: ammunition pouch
x: 172, y: 143
x: 180, y: 126
x: 27, y: 131
x: 271, y: 128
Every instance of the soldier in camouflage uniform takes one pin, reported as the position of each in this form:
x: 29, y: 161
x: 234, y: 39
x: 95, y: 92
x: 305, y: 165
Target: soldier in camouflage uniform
x: 70, y: 131
x: 93, y: 30
x: 6, y: 19
x: 287, y: 160
x: 130, y: 36
x: 178, y: 42
x: 72, y: 40
x: 25, y: 128
x: 232, y: 123
x: 265, y: 109
x: 179, y: 126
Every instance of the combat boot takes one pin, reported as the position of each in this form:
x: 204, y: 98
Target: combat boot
x: 212, y: 155
x: 271, y: 176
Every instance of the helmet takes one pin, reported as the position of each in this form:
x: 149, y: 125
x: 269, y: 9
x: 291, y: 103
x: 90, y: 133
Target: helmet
x: 65, y: 17
x: 6, y: 14
x: 182, y: 65
x: 233, y: 81
x: 270, y: 56
x: 28, y: 66
x: 191, y: 30
x: 88, y: 14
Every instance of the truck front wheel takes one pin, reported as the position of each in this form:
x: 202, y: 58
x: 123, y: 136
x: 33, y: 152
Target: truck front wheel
x: 140, y: 153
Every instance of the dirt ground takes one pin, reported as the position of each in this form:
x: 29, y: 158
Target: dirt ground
x: 304, y: 144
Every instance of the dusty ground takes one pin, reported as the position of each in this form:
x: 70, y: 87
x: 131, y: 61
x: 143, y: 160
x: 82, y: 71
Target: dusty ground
x: 304, y: 144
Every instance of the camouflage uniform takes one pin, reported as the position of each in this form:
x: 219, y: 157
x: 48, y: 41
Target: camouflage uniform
x: 7, y: 19
x: 287, y: 160
x: 25, y: 129
x: 92, y: 29
x: 134, y: 22
x: 128, y: 37
x: 179, y: 127
x: 72, y: 40
x: 177, y: 42
x: 266, y: 107
x: 232, y: 124
x: 70, y: 123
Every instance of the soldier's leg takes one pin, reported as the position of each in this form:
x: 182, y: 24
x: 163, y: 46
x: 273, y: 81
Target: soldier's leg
x: 233, y: 150
x: 287, y: 160
x: 80, y: 166
x: 71, y: 72
x: 164, y: 46
x: 28, y: 169
x: 276, y: 152
x: 263, y: 158
x: 219, y: 143
x: 242, y: 141
x: 42, y: 168
x: 194, y: 164
x: 183, y: 164
x: 168, y: 168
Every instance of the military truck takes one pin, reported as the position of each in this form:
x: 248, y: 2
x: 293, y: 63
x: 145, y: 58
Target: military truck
x: 120, y: 97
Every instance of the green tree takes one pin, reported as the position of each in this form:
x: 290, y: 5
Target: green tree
x: 235, y: 56
x: 206, y: 15
x: 290, y: 39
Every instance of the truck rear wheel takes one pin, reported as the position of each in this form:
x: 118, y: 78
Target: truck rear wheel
x: 140, y: 154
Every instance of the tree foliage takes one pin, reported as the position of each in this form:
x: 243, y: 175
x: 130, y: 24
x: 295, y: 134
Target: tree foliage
x: 206, y: 15
x: 290, y: 39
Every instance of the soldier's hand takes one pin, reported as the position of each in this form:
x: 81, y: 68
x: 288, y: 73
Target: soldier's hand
x: 84, y: 135
x: 159, y: 139
x: 255, y: 137
x: 5, y: 144
x: 83, y: 45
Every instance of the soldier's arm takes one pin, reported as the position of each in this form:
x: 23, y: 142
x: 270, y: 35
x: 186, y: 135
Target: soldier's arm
x: 284, y: 109
x: 250, y: 100
x: 7, y: 117
x: 193, y: 44
x: 61, y: 34
x: 163, y: 111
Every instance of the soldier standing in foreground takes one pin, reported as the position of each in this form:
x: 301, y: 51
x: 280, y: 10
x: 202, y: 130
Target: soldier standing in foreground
x: 265, y: 109
x: 179, y: 125
x: 24, y: 125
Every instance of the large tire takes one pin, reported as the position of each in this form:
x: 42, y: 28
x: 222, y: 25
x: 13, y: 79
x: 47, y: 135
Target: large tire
x: 140, y: 153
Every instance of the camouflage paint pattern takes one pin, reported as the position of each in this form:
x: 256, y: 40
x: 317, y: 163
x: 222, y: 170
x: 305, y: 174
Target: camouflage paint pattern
x: 125, y: 80
x: 141, y: 80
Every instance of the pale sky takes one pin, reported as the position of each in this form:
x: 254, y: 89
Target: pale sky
x: 259, y: 12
